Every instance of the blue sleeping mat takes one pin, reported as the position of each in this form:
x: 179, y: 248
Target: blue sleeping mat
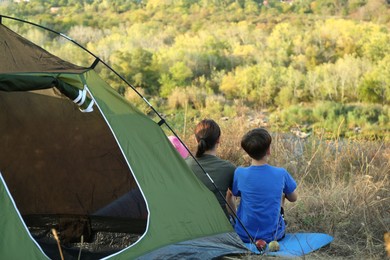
x: 297, y: 244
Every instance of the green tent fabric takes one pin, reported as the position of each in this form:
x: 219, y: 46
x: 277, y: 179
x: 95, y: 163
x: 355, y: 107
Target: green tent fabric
x: 15, y: 242
x: 61, y: 165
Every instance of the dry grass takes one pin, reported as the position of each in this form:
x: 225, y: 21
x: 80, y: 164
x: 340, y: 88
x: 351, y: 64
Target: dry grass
x: 343, y: 188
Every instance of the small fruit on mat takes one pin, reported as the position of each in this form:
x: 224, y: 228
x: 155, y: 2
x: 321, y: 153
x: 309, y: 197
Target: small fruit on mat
x: 261, y: 244
x: 274, y: 246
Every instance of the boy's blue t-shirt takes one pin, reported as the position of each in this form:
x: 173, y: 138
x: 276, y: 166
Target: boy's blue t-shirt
x: 261, y: 189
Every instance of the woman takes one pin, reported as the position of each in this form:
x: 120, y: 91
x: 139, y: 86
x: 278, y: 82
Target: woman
x: 207, y: 134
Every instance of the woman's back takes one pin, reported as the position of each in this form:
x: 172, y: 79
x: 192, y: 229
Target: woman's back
x: 207, y: 134
x: 220, y: 171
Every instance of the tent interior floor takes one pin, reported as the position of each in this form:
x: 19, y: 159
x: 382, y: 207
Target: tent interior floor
x: 94, y: 236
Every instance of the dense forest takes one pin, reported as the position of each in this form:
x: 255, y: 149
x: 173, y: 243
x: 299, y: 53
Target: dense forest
x: 319, y: 65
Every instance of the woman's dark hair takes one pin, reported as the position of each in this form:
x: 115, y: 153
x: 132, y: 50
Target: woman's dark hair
x: 256, y: 143
x: 207, y: 133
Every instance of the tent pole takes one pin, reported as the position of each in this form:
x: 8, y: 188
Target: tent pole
x: 162, y: 120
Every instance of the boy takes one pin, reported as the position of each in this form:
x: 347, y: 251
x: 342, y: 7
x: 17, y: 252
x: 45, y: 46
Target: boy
x: 261, y: 188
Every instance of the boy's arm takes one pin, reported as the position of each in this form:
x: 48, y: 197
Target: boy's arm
x: 290, y: 185
x: 292, y: 197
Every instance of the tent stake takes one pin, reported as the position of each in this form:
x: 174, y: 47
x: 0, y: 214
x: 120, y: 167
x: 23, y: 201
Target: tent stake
x: 53, y: 230
x: 81, y: 246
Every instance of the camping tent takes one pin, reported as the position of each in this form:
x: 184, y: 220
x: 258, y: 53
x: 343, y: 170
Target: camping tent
x: 69, y: 146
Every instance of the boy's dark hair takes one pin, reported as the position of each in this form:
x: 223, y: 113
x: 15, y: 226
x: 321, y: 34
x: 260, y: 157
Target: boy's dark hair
x: 207, y: 133
x: 256, y: 143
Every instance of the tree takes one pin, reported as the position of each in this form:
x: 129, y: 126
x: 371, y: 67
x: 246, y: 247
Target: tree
x: 280, y: 44
x: 376, y: 43
x: 180, y: 73
x: 375, y: 86
x: 293, y: 90
x: 167, y: 85
x: 136, y: 66
x: 229, y: 86
x: 349, y: 71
